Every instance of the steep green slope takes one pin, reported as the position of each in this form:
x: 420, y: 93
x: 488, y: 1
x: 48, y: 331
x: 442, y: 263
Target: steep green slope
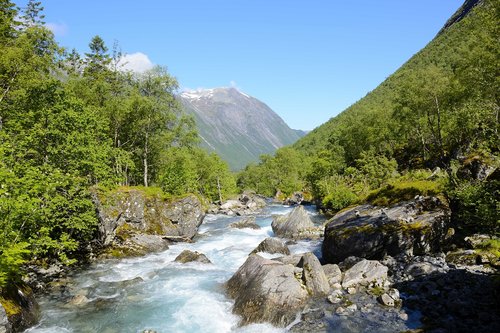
x: 464, y: 55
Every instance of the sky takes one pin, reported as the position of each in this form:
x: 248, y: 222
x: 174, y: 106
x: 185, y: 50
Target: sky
x: 307, y: 60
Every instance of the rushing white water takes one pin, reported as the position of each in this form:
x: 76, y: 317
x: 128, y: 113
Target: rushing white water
x: 153, y: 292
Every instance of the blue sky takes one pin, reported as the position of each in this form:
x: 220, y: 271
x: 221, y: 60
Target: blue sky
x: 308, y: 60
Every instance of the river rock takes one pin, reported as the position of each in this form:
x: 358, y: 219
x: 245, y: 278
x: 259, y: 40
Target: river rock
x: 313, y: 275
x: 335, y: 297
x: 78, y: 300
x: 247, y: 222
x: 127, y: 214
x: 246, y: 204
x: 296, y: 225
x: 333, y: 274
x: 365, y: 273
x: 295, y: 199
x: 266, y: 291
x: 386, y: 300
x: 192, y: 256
x: 272, y: 245
x: 415, y: 227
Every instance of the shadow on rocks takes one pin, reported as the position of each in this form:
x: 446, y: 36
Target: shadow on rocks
x: 455, y: 301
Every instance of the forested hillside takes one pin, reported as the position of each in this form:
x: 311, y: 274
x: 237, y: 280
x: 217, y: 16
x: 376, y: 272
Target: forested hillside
x: 439, y: 110
x: 71, y: 122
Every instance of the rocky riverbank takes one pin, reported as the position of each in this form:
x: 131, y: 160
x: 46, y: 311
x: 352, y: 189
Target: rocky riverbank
x: 384, y: 264
x: 382, y: 269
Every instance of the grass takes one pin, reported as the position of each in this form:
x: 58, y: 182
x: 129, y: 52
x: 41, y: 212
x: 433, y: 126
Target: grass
x: 403, y: 191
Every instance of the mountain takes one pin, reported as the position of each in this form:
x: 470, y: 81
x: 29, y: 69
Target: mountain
x: 237, y: 126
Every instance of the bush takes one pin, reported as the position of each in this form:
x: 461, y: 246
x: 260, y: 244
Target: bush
x: 476, y: 206
x: 340, y: 198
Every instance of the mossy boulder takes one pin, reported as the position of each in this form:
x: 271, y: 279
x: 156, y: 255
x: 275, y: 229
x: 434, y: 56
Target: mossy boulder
x: 417, y: 227
x: 136, y: 221
x: 19, y: 309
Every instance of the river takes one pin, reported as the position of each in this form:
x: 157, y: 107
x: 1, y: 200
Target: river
x: 155, y: 293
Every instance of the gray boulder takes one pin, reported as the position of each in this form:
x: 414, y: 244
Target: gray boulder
x: 267, y: 291
x: 413, y: 227
x: 192, y: 256
x: 313, y: 275
x: 365, y: 273
x: 272, y: 245
x: 297, y: 225
x: 246, y: 222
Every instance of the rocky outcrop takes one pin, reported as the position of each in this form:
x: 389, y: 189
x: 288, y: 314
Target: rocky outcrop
x: 192, y: 256
x: 272, y: 245
x: 18, y: 308
x: 296, y: 225
x: 134, y: 222
x: 415, y: 227
x: 267, y: 291
x: 246, y: 222
x: 246, y: 204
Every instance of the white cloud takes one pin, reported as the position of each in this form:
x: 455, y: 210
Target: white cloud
x: 137, y: 62
x: 59, y: 29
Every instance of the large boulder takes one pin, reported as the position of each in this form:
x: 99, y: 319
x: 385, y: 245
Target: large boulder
x: 296, y: 225
x: 267, y: 291
x: 126, y: 215
x: 18, y: 308
x: 272, y: 245
x: 412, y: 227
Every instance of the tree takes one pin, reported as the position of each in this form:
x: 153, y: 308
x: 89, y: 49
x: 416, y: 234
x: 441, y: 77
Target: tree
x: 98, y: 58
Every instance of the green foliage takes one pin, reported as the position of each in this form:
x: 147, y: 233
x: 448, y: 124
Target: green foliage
x: 477, y: 206
x: 68, y: 123
x: 398, y: 191
x: 283, y: 173
x: 192, y: 170
x: 340, y: 197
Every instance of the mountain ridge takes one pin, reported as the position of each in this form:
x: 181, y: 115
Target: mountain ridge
x: 235, y: 125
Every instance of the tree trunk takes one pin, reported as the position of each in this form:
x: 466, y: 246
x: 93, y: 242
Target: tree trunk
x: 218, y: 188
x: 145, y: 161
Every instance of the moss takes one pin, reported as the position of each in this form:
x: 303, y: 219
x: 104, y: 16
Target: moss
x: 155, y: 227
x: 376, y: 291
x: 403, y: 191
x: 491, y: 246
x: 10, y: 306
x: 124, y: 232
